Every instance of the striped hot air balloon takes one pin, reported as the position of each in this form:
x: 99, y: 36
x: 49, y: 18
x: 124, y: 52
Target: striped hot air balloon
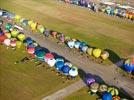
x: 114, y: 91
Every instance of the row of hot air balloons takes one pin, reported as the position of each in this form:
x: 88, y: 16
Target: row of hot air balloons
x: 71, y: 43
x: 12, y: 37
x: 106, y: 92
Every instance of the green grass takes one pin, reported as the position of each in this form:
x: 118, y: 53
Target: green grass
x: 23, y: 81
x: 81, y: 94
x: 97, y: 29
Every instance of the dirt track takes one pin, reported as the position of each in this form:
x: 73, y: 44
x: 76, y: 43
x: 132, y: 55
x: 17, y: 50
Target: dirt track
x: 107, y: 73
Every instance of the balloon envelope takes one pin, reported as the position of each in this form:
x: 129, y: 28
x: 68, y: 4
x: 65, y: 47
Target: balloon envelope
x: 7, y: 42
x: 59, y: 65
x: 107, y: 96
x: 73, y: 71
x: 18, y: 44
x: 51, y: 62
x: 89, y: 79
x: 28, y: 41
x: 21, y: 37
x: 71, y: 44
x: 2, y: 38
x: 66, y: 69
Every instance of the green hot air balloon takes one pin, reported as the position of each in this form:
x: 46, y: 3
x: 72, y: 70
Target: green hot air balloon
x: 14, y: 33
x: 8, y: 26
x: 18, y: 44
x: 21, y: 37
x: 40, y: 28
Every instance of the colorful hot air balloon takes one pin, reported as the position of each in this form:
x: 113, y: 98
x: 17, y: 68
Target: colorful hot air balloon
x: 103, y: 88
x: 40, y: 28
x: 94, y: 87
x: 89, y: 51
x: 48, y: 56
x: 8, y: 35
x: 96, y: 53
x: 113, y: 91
x: 14, y: 33
x: 21, y: 37
x: 31, y: 50
x: 2, y: 38
x: 13, y: 42
x: 106, y: 96
x: 71, y: 44
x: 40, y: 54
x: 51, y: 62
x: 104, y: 55
x: 18, y: 44
x: 8, y: 26
x: 73, y: 71
x: 59, y: 65
x: 7, y: 42
x: 129, y: 65
x: 77, y: 44
x: 28, y: 41
x: 116, y: 98
x: 89, y: 79
x: 66, y: 69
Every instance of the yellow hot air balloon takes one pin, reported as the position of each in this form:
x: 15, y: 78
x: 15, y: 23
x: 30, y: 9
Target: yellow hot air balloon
x: 90, y: 51
x: 96, y: 53
x: 33, y: 26
x: 14, y: 33
x: 104, y: 55
x: 18, y: 44
x: 30, y: 22
x: 21, y: 37
x: 17, y: 18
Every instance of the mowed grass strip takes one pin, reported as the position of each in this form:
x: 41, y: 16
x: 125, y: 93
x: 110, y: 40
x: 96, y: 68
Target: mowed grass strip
x: 24, y: 81
x: 96, y: 29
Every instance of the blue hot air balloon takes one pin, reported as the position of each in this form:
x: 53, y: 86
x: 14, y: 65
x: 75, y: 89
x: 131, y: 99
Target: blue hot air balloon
x: 28, y: 41
x: 82, y: 44
x: 66, y: 69
x: 59, y: 65
x: 129, y: 65
x: 107, y: 96
x: 1, y: 32
x: 77, y: 44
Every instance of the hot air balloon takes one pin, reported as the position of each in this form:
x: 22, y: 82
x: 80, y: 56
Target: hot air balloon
x: 47, y: 32
x: 33, y: 26
x: 40, y: 54
x: 54, y: 34
x: 1, y: 22
x: 8, y: 26
x: 82, y: 44
x: 71, y: 44
x: 89, y: 79
x: 14, y: 33
x: 103, y: 88
x: 89, y: 51
x: 77, y: 44
x: 17, y: 18
x: 21, y: 37
x: 13, y: 42
x: 48, y: 56
x: 18, y: 44
x: 113, y: 91
x: 2, y: 38
x: 96, y: 53
x: 94, y: 87
x: 116, y: 98
x: 31, y: 49
x: 66, y: 69
x: 59, y: 65
x: 28, y: 41
x: 51, y: 62
x: 40, y: 28
x: 84, y: 49
x: 106, y: 96
x: 104, y: 55
x: 8, y: 35
x: 7, y: 42
x: 129, y: 65
x: 73, y: 72
x: 62, y: 38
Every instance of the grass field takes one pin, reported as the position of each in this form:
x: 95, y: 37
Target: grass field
x: 97, y: 29
x: 23, y: 81
x: 81, y: 94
